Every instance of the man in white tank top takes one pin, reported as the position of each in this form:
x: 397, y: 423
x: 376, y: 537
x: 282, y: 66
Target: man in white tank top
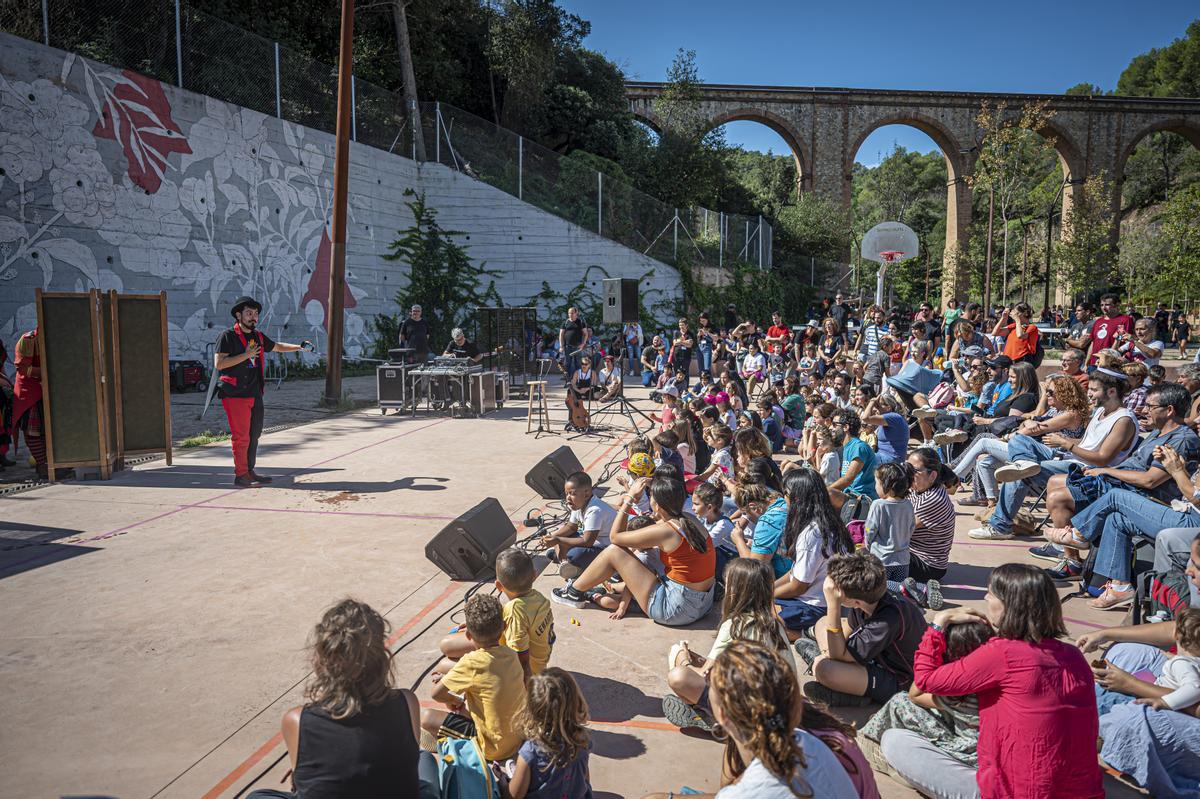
x: 1109, y: 438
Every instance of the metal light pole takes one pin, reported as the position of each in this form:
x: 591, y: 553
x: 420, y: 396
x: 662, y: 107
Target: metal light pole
x: 987, y: 264
x: 341, y: 167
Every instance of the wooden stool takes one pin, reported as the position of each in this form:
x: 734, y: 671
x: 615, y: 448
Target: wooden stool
x: 537, y: 405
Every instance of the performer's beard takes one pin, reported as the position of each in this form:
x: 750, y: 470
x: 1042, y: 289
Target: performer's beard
x: 250, y: 325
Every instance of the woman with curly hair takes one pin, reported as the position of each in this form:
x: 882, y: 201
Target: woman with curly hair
x: 356, y: 737
x: 768, y: 754
x: 1064, y: 409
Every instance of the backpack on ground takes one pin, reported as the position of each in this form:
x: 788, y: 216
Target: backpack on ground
x: 1169, y: 593
x: 463, y: 772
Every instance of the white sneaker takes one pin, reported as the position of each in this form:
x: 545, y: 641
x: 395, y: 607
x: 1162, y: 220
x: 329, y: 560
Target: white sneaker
x: 949, y: 437
x: 988, y: 533
x: 924, y: 413
x: 1019, y: 470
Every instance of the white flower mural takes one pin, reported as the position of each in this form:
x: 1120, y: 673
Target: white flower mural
x: 100, y: 186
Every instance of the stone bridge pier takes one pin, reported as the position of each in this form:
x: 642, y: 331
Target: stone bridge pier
x: 824, y: 127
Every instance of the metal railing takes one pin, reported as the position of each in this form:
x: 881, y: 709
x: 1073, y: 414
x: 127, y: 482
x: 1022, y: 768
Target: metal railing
x: 168, y: 40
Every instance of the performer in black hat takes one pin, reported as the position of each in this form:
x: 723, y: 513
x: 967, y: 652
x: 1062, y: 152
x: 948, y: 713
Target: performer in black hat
x: 241, y: 351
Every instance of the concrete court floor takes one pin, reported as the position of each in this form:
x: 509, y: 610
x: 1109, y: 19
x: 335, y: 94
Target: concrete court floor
x: 152, y: 642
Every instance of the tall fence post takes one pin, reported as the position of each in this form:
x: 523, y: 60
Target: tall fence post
x: 760, y: 241
x: 353, y: 112
x: 721, y: 239
x: 278, y: 86
x: 600, y: 203
x: 178, y: 47
x: 412, y: 117
x: 46, y: 22
x: 675, y: 236
x: 520, y: 167
x: 437, y: 131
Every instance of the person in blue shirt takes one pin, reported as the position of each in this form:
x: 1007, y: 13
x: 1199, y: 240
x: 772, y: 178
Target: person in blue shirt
x: 998, y: 388
x: 892, y: 431
x: 858, y: 459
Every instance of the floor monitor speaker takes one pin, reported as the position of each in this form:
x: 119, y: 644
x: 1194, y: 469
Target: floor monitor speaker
x: 552, y: 471
x: 466, y: 549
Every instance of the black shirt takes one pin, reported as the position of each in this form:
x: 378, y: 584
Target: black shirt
x: 888, y: 637
x: 840, y: 313
x: 574, y: 334
x: 244, y: 379
x: 465, y: 350
x: 1022, y: 402
x: 683, y: 355
x: 371, y: 755
x: 414, y: 333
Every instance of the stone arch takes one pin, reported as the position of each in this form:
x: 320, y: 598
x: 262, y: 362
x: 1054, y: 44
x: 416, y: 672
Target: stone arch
x: 1070, y: 157
x: 942, y: 136
x: 1187, y: 128
x: 650, y: 120
x: 958, y: 193
x: 778, y: 124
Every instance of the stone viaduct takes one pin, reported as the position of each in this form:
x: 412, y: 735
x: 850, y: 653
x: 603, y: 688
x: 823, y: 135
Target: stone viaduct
x: 825, y: 127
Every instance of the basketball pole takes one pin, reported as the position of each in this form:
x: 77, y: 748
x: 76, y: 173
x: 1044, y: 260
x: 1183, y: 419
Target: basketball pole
x: 341, y: 168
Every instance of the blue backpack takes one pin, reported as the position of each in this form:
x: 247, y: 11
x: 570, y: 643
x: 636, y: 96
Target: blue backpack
x: 463, y: 772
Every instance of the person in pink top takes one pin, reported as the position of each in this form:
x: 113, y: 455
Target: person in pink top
x: 1038, y: 722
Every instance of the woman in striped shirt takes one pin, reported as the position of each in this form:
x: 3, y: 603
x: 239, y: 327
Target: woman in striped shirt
x: 929, y: 549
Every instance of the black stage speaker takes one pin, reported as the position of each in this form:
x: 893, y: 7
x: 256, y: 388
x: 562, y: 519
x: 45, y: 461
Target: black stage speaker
x: 620, y: 300
x: 552, y: 471
x: 466, y: 549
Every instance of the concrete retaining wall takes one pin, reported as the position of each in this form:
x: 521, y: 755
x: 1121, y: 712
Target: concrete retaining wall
x: 115, y: 180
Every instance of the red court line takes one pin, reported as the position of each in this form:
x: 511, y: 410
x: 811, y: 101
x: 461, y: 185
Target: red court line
x: 245, y: 766
x: 380, y: 515
x: 232, y: 777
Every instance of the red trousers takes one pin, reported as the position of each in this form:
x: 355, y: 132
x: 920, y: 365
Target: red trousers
x: 245, y: 416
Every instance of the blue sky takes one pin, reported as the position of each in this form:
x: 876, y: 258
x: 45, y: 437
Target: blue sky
x: 1016, y: 46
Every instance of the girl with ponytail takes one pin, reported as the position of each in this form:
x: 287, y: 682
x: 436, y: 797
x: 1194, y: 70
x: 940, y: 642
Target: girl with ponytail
x: 683, y: 545
x: 756, y: 700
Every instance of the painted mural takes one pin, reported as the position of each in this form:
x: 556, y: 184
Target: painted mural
x: 214, y: 208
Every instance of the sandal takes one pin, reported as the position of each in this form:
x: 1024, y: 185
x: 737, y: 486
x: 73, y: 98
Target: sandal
x: 1112, y: 599
x: 1065, y: 536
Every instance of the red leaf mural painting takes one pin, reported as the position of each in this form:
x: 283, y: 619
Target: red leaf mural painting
x: 137, y: 115
x: 318, y: 282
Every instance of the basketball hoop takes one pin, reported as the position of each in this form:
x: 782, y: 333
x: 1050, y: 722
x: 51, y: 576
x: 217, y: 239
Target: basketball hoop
x: 888, y: 243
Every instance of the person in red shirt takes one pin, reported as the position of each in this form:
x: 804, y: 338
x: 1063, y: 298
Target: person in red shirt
x: 1106, y: 328
x: 27, y: 406
x: 240, y: 352
x: 1021, y: 337
x: 778, y: 334
x: 1038, y: 721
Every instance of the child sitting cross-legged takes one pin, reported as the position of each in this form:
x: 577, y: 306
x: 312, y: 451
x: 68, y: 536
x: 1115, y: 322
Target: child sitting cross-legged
x: 553, y: 761
x: 891, y: 521
x: 951, y: 723
x: 484, y: 690
x: 528, y: 619
x: 708, y: 505
x: 616, y: 596
x: 875, y: 659
x: 585, y: 534
x: 746, y: 614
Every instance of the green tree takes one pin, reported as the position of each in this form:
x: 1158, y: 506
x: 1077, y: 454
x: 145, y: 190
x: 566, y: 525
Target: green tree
x: 1181, y: 232
x: 1083, y: 255
x: 442, y: 278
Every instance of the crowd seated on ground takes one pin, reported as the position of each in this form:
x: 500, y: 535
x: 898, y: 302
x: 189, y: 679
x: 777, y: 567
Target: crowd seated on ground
x: 795, y: 502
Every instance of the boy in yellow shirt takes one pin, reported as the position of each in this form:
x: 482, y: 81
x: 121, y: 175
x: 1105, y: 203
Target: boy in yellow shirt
x: 484, y: 691
x: 528, y: 620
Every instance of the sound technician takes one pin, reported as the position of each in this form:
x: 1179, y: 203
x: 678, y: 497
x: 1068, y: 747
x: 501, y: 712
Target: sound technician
x: 241, y: 352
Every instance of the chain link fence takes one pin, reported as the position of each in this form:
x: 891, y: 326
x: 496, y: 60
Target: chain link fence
x: 176, y: 44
